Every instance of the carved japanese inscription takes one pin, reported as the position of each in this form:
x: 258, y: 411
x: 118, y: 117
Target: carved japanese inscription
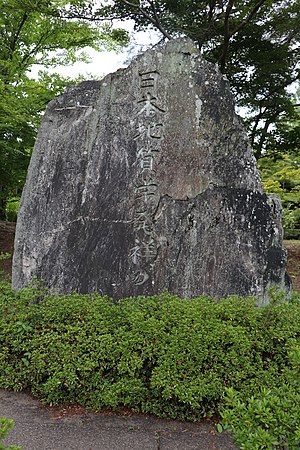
x: 145, y: 181
x: 148, y: 125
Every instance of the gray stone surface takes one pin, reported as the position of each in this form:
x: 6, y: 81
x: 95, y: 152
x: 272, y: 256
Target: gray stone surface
x: 145, y: 181
x: 38, y: 428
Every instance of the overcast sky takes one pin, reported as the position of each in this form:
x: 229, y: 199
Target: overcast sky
x: 107, y: 62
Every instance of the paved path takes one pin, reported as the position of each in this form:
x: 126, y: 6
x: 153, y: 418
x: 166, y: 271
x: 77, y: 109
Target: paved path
x: 39, y: 428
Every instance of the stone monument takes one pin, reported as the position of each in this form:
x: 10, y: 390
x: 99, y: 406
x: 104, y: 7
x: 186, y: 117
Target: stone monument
x: 145, y: 181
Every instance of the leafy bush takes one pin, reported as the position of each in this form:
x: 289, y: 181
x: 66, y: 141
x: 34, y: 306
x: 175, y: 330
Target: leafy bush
x: 12, y: 208
x: 160, y: 354
x: 4, y: 256
x: 5, y: 426
x: 271, y: 419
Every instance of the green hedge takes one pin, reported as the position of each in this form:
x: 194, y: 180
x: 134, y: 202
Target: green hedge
x: 271, y: 418
x: 163, y: 355
x: 5, y: 426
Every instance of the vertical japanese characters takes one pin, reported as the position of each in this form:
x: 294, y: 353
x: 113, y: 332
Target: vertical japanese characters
x: 148, y: 123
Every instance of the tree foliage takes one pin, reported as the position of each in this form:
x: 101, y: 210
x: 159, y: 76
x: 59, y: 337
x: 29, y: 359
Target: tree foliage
x: 280, y: 168
x: 35, y: 32
x: 254, y: 42
x: 281, y: 176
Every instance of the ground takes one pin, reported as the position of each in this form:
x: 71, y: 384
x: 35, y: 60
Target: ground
x: 7, y: 233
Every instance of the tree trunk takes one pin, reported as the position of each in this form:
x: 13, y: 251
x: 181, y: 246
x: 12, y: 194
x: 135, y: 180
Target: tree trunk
x: 3, y: 203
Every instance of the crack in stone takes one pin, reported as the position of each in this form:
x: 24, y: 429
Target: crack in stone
x: 73, y: 107
x: 82, y: 219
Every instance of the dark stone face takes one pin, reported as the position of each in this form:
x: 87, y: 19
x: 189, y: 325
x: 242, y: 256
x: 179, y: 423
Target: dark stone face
x: 145, y: 181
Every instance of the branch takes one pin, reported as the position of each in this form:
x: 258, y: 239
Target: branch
x: 272, y: 155
x: 17, y: 35
x: 264, y: 133
x: 227, y: 35
x: 268, y: 122
x: 38, y: 47
x: 72, y: 16
x: 248, y: 18
x: 258, y: 117
x: 156, y: 18
x: 212, y: 5
x: 155, y: 21
x: 281, y: 86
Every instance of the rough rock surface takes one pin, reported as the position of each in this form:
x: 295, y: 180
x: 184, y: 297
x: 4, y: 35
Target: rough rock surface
x: 145, y: 181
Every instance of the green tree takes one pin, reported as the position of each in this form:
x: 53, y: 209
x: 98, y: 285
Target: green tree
x: 281, y: 176
x: 36, y: 32
x: 21, y: 107
x: 280, y: 168
x: 254, y: 42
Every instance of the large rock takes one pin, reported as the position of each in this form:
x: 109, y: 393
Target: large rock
x: 145, y: 181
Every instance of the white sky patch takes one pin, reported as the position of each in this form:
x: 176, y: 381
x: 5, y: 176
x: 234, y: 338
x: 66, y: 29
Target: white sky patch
x: 103, y: 63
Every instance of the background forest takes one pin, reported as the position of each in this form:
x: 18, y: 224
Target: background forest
x: 255, y: 44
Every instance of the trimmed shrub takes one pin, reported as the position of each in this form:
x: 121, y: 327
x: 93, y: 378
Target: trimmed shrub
x: 162, y: 355
x: 271, y: 418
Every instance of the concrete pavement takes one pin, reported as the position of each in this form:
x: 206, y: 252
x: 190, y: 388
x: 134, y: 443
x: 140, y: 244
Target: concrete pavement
x: 40, y: 428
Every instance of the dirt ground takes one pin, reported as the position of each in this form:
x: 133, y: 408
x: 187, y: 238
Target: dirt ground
x: 7, y: 233
x: 7, y: 236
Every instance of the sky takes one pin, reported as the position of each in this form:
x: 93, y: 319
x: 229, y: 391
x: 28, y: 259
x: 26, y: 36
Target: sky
x: 103, y: 63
